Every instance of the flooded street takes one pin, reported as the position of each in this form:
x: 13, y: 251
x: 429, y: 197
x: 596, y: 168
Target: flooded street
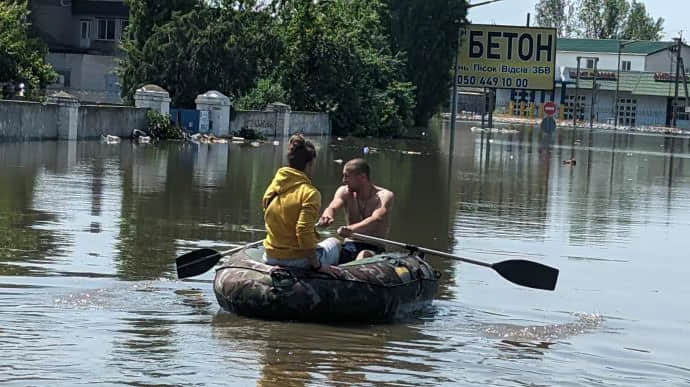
x: 90, y: 232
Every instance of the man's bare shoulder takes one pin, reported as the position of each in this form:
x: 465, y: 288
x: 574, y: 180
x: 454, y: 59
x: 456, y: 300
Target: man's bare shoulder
x: 384, y: 193
x: 342, y: 192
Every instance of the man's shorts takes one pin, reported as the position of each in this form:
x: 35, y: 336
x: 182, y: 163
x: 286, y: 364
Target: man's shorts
x: 327, y: 251
x: 351, y: 249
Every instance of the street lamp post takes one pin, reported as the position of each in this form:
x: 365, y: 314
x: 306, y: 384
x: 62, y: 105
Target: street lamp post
x: 453, y: 109
x: 618, y: 76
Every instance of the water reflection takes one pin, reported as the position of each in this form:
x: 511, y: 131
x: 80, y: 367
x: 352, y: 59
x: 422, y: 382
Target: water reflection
x: 295, y: 355
x: 84, y: 223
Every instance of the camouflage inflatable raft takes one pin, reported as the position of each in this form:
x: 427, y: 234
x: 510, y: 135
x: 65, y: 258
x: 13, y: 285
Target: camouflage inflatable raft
x: 373, y: 289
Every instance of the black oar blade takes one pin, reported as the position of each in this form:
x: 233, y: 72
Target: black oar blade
x: 528, y: 273
x: 196, y: 262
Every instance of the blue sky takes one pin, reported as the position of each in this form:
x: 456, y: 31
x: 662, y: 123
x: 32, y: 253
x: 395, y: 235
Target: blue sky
x: 514, y: 12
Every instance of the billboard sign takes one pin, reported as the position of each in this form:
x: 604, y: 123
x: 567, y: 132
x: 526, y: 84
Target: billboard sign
x: 507, y: 57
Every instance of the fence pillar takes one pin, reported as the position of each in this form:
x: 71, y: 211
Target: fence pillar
x: 153, y: 97
x: 282, y: 117
x: 218, y: 107
x: 67, y: 115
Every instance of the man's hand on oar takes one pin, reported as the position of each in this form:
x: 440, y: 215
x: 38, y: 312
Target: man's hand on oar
x: 518, y: 271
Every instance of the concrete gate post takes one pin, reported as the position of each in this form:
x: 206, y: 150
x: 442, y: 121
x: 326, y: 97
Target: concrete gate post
x: 218, y: 106
x: 67, y: 115
x: 153, y: 97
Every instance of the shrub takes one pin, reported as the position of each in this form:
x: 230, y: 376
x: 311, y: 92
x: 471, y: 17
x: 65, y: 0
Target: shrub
x: 161, y: 128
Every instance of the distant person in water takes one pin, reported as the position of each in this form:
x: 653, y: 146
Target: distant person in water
x: 367, y: 208
x: 291, y: 209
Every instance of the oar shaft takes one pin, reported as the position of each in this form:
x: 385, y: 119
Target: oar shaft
x: 236, y: 249
x: 423, y: 249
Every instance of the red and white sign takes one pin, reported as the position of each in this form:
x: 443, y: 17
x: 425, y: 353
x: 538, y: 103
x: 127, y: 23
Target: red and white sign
x: 549, y: 108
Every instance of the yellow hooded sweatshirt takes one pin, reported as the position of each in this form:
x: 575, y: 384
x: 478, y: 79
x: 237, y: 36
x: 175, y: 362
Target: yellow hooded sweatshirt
x: 291, y: 209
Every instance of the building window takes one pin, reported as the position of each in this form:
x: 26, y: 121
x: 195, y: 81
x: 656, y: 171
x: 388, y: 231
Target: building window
x: 123, y: 26
x: 626, y: 65
x: 84, y: 29
x: 589, y: 64
x: 569, y: 110
x: 627, y: 111
x: 106, y: 29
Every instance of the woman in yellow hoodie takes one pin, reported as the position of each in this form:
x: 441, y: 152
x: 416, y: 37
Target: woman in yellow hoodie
x: 291, y: 210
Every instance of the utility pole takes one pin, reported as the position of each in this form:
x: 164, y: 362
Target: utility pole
x: 577, y: 91
x: 675, y: 97
x: 618, y: 82
x: 594, y: 89
x: 454, y: 103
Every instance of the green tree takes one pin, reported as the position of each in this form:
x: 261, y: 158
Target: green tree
x: 640, y: 25
x: 144, y: 17
x: 22, y: 56
x: 425, y: 33
x: 265, y: 92
x: 226, y: 47
x: 603, y: 20
x: 558, y: 14
x: 338, y: 59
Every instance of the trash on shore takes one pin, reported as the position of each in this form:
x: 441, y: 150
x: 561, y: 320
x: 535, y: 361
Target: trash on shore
x: 476, y: 129
x: 110, y: 139
x: 141, y: 136
x: 204, y: 138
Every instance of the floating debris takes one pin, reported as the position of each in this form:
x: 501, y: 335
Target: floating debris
x: 276, y: 143
x: 569, y: 162
x: 476, y: 129
x: 338, y: 161
x: 109, y: 139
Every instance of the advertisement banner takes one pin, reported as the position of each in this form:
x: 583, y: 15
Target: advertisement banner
x: 507, y: 57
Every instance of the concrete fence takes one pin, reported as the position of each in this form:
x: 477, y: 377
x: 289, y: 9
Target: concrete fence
x: 27, y: 120
x: 63, y: 118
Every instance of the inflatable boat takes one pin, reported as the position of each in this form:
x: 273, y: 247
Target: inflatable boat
x: 379, y: 288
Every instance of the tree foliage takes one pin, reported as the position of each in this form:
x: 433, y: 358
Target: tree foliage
x: 599, y: 19
x: 641, y: 25
x: 375, y: 66
x: 21, y: 54
x: 425, y: 33
x: 266, y: 91
x: 559, y: 14
x: 337, y: 59
x: 603, y: 20
x: 197, y: 48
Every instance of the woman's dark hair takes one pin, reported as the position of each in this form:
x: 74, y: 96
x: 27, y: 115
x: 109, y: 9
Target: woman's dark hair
x: 300, y: 152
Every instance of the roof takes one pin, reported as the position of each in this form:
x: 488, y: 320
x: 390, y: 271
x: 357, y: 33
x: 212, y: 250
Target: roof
x: 100, y: 8
x: 641, y: 47
x: 637, y: 83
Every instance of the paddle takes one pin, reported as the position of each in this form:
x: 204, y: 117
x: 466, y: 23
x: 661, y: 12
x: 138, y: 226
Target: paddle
x: 202, y: 260
x: 518, y: 271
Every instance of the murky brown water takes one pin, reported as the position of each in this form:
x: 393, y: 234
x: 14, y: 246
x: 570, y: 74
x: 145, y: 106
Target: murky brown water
x: 88, y: 293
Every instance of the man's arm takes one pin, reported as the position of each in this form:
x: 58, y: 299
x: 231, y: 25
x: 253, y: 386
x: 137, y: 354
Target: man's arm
x: 338, y: 201
x: 369, y: 224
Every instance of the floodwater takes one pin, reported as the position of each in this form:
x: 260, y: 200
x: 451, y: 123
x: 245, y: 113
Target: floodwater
x: 90, y: 232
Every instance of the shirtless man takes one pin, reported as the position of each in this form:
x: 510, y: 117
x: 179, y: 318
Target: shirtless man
x: 366, y: 209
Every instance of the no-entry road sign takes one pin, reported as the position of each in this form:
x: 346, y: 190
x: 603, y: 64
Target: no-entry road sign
x: 550, y: 108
